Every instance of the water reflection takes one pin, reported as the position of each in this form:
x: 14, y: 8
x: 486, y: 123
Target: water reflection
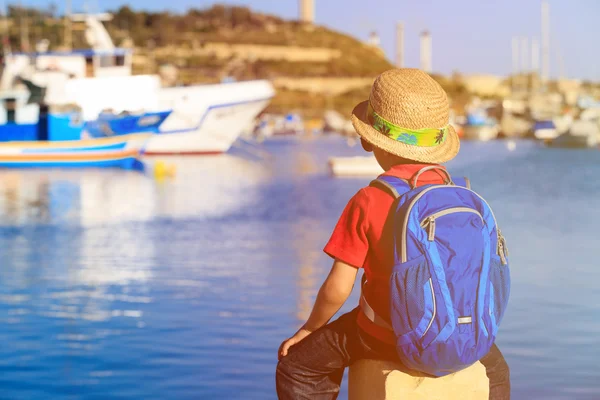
x: 220, y: 185
x: 306, y: 246
x: 188, y: 284
x: 96, y: 268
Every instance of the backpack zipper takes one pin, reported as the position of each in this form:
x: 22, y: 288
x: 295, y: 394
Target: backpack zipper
x: 429, y: 222
x: 500, y: 247
x: 434, y: 308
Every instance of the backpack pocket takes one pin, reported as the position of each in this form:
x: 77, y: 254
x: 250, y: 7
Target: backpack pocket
x: 413, y: 302
x: 499, y: 291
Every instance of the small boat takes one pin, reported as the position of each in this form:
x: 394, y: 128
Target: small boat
x: 355, y: 166
x: 582, y: 134
x: 335, y: 122
x: 513, y: 125
x: 121, y: 151
x: 483, y: 132
x: 545, y: 130
x: 274, y: 125
x: 479, y: 126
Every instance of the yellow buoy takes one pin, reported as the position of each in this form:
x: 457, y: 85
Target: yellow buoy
x: 162, y: 169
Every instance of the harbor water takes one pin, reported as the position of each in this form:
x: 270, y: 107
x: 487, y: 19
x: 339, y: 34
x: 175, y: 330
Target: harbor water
x: 119, y: 285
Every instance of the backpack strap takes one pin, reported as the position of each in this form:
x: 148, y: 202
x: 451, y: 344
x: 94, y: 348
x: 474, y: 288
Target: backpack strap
x: 395, y: 187
x: 392, y: 185
x: 445, y: 175
x: 368, y: 311
x: 464, y: 182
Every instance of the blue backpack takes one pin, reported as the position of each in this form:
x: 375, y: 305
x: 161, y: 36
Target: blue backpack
x: 450, y: 282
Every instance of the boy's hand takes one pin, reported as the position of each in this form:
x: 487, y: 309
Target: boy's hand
x: 297, y: 338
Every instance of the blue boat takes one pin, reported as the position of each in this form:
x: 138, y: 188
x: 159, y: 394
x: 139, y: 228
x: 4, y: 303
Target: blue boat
x: 98, y: 82
x: 55, y: 142
x: 545, y: 130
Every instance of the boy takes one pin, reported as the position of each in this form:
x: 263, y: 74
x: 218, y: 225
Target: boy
x: 405, y: 124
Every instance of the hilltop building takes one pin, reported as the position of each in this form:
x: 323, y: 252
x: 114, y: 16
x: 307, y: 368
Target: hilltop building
x: 307, y: 11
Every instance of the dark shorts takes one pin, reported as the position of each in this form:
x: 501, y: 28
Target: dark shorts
x: 313, y: 368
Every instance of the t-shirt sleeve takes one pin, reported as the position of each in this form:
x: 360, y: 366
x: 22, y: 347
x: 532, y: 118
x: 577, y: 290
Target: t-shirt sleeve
x: 348, y: 241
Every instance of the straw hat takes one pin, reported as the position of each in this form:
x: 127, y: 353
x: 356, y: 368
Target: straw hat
x: 407, y: 115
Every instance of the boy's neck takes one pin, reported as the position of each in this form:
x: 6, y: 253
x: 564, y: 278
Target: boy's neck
x: 409, y: 162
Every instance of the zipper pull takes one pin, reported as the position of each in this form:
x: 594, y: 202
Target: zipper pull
x: 501, y: 253
x: 504, y: 247
x: 502, y: 250
x: 431, y: 229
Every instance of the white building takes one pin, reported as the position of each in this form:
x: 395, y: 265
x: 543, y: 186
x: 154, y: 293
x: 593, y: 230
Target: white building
x: 426, y: 51
x: 307, y: 11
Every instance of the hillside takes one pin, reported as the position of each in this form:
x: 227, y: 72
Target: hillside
x: 211, y: 44
x: 313, y: 68
x: 208, y: 45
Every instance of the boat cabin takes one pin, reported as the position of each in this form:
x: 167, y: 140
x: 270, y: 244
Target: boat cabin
x: 86, y: 63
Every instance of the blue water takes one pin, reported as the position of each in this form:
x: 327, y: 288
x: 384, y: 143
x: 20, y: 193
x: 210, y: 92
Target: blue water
x: 118, y: 285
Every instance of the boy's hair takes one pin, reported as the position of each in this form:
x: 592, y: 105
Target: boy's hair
x: 397, y: 160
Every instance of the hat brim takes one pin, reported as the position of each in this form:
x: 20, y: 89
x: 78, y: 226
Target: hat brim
x: 432, y: 155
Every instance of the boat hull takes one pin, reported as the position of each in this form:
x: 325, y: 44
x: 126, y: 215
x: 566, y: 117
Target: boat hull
x: 354, y: 166
x: 216, y: 131
x: 480, y: 132
x: 198, y: 127
x: 119, y: 152
x: 202, y: 119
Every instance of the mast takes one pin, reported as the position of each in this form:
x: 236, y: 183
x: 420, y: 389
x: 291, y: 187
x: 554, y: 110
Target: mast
x: 68, y: 31
x: 524, y: 62
x: 24, y: 28
x: 545, y: 42
x: 535, y: 63
x: 5, y: 37
x: 399, y: 45
x: 516, y: 67
x: 426, y: 51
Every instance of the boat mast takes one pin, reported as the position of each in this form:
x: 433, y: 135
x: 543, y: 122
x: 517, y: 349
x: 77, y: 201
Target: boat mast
x: 516, y: 66
x: 545, y: 42
x: 23, y: 28
x: 68, y: 31
x: 5, y: 37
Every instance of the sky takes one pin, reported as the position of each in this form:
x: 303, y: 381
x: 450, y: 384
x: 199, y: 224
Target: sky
x: 470, y: 36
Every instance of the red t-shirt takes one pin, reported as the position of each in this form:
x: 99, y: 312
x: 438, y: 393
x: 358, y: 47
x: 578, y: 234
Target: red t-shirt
x: 363, y: 238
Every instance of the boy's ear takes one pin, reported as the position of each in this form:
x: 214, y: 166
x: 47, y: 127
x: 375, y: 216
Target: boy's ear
x: 366, y: 145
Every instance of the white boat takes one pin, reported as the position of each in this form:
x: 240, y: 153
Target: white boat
x: 275, y: 125
x: 99, y: 83
x: 481, y: 133
x: 513, y: 125
x: 582, y: 134
x: 335, y: 122
x: 355, y: 166
x: 545, y: 130
x: 479, y: 126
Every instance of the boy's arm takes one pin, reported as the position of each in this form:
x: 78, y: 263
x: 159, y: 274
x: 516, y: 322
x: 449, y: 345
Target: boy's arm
x: 333, y: 294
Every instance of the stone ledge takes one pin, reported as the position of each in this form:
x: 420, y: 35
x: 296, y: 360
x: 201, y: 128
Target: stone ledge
x: 384, y: 380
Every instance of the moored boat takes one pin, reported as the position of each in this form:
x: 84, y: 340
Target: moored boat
x: 479, y: 125
x: 45, y: 151
x: 199, y: 119
x: 582, y: 134
x: 354, y: 166
x: 545, y: 130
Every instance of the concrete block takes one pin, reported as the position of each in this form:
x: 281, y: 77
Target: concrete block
x: 384, y: 380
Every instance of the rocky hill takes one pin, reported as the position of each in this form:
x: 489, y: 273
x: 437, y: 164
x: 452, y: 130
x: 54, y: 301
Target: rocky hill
x: 312, y: 67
